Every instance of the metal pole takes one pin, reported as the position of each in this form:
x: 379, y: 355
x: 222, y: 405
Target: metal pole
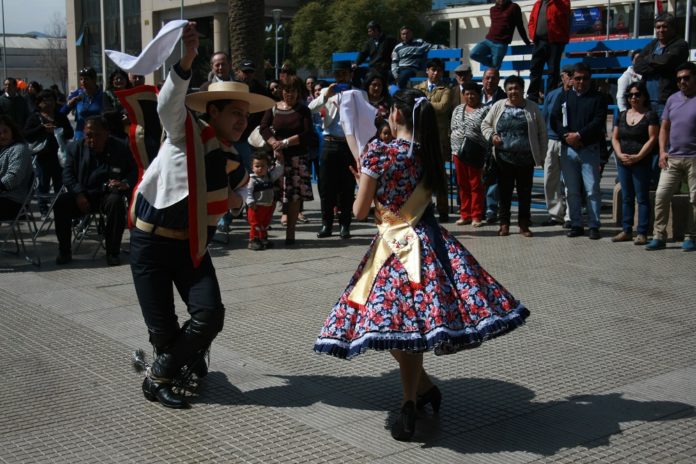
x: 103, y: 42
x: 181, y: 42
x: 687, y: 28
x: 122, y: 26
x: 4, y: 44
x: 276, y: 19
x: 608, y: 18
x: 636, y: 18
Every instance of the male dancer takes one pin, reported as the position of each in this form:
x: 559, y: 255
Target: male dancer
x: 183, y: 193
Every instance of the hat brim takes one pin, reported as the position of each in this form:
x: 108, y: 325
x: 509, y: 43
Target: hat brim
x: 197, y: 101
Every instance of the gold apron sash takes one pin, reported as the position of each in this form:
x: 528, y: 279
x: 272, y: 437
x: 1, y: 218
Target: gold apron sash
x: 397, y: 236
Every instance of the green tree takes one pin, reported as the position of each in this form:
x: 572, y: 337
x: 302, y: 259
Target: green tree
x: 322, y: 27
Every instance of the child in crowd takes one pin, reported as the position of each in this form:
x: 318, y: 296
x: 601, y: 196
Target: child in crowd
x: 384, y: 133
x: 260, y: 204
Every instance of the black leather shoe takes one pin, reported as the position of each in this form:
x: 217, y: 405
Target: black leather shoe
x: 63, y: 258
x: 432, y: 396
x: 163, y: 393
x: 113, y: 260
x: 345, y: 232
x: 594, y: 234
x: 325, y: 231
x: 576, y: 232
x: 200, y: 368
x: 405, y: 425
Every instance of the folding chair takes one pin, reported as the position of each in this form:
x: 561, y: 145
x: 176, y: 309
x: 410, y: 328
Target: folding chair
x: 47, y: 219
x: 91, y: 227
x: 24, y: 216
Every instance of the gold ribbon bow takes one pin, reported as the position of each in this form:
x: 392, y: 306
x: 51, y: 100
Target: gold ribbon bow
x: 396, y: 236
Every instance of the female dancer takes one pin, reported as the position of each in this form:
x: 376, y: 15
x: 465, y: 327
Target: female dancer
x: 417, y: 289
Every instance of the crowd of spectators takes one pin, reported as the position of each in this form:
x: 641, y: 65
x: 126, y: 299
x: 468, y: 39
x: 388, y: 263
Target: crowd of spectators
x: 495, y: 136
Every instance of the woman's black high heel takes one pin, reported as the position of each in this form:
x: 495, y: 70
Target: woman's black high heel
x: 405, y: 425
x: 432, y: 396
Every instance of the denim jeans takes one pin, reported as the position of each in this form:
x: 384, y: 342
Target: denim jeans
x: 405, y: 75
x: 489, y: 53
x: 581, y: 167
x: 635, y: 186
x: 492, y: 201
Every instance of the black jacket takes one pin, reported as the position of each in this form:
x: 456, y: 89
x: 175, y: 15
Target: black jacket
x: 34, y: 131
x: 587, y: 115
x: 87, y: 172
x: 378, y: 56
x: 648, y: 64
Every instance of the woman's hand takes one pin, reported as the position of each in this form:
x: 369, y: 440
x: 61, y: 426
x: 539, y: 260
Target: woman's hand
x: 497, y: 140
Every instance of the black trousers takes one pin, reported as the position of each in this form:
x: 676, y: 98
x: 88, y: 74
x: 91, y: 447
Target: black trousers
x: 158, y: 265
x: 337, y: 186
x: 511, y: 176
x: 49, y: 172
x: 112, y: 205
x: 549, y: 54
x: 9, y: 209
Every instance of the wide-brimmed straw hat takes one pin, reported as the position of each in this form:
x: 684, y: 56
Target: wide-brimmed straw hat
x: 228, y: 90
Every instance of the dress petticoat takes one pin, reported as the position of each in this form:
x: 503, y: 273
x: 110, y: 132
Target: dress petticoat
x: 456, y: 305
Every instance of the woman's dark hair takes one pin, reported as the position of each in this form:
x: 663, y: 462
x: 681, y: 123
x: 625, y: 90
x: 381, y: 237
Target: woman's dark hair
x: 379, y: 124
x: 88, y: 72
x: 471, y: 87
x: 43, y: 95
x: 426, y: 134
x: 5, y: 120
x: 36, y: 86
x: 117, y: 72
x: 514, y: 79
x: 642, y: 88
x: 371, y: 77
x: 293, y: 83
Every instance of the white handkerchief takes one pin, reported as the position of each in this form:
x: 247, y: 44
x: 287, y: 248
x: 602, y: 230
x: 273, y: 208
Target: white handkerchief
x: 156, y: 52
x: 357, y: 118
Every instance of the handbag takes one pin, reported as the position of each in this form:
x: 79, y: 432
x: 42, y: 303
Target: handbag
x: 490, y: 169
x: 472, y: 153
x: 256, y: 140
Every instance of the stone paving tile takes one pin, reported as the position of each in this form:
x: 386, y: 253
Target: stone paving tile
x: 602, y: 372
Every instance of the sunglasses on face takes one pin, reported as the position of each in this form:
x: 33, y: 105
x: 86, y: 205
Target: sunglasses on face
x: 634, y: 94
x: 581, y: 78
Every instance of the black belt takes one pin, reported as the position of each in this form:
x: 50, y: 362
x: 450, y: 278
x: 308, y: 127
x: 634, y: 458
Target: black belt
x: 331, y: 138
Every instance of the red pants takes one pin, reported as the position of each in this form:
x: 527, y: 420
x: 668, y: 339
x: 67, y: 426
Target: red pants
x: 471, y: 196
x: 259, y: 219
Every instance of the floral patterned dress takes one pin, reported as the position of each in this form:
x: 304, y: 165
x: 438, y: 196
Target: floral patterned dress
x: 456, y: 305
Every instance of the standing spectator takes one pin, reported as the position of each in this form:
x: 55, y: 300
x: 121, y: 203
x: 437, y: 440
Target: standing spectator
x: 13, y: 104
x: 628, y: 77
x: 260, y: 198
x: 506, y: 16
x: 33, y: 90
x: 274, y: 89
x: 657, y: 61
x: 41, y: 126
x: 462, y: 75
x: 288, y: 129
x: 246, y: 73
x: 634, y: 139
x: 549, y: 28
x: 408, y: 57
x: 86, y: 101
x: 517, y: 131
x: 118, y: 80
x: 377, y: 51
x: 554, y: 188
x: 491, y: 94
x: 579, y: 118
x: 337, y: 185
x: 469, y: 157
x: 99, y: 172
x: 220, y: 70
x: 15, y: 169
x: 440, y: 97
x: 378, y: 95
x: 677, y: 157
x: 309, y: 87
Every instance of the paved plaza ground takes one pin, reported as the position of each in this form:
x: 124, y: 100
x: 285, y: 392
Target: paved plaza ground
x: 604, y: 370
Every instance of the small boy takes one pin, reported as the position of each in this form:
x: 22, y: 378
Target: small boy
x: 260, y: 198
